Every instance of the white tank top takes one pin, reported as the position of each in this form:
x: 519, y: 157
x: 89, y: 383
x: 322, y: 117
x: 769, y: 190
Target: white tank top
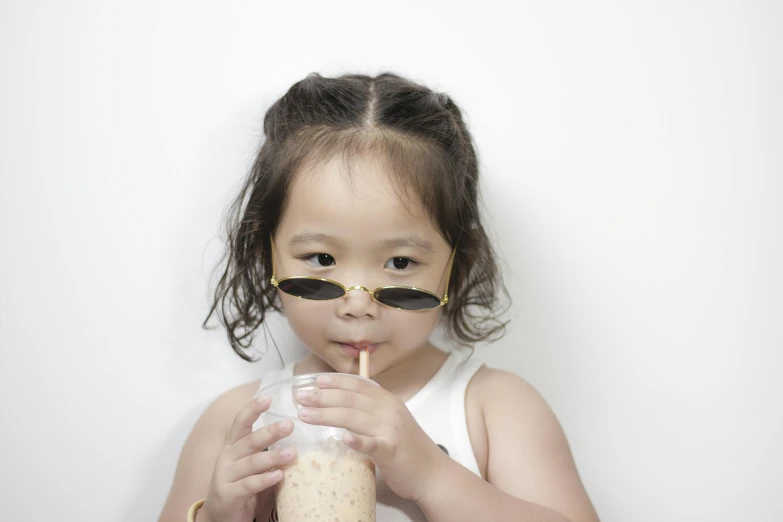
x: 439, y: 408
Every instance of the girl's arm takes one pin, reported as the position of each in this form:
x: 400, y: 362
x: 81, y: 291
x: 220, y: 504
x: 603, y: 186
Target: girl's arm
x: 197, y: 459
x: 531, y: 473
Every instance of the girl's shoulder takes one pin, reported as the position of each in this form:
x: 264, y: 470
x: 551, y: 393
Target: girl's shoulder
x: 490, y: 385
x: 226, y: 406
x: 238, y: 395
x: 488, y: 392
x: 242, y: 391
x: 503, y: 398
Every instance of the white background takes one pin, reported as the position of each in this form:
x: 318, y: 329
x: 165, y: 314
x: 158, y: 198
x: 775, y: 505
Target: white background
x: 632, y: 175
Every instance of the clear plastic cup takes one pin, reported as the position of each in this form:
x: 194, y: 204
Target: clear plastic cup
x: 328, y: 481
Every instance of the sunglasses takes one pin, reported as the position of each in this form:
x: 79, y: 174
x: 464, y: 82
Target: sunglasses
x: 399, y: 297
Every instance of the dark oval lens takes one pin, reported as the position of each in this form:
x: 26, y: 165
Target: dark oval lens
x: 311, y: 288
x: 407, y: 298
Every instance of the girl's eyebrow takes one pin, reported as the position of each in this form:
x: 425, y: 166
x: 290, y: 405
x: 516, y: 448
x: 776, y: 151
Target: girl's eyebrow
x: 409, y: 241
x: 314, y: 237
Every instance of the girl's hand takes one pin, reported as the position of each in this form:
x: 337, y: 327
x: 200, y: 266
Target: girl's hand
x: 244, y: 473
x: 380, y: 426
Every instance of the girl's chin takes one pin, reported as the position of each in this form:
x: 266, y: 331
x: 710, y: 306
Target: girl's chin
x: 341, y: 364
x: 331, y: 362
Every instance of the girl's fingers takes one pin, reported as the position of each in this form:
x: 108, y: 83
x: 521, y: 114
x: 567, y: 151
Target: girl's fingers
x: 259, y: 463
x: 261, y: 439
x: 362, y: 443
x: 243, y: 422
x: 330, y: 398
x: 357, y: 421
x: 255, y: 484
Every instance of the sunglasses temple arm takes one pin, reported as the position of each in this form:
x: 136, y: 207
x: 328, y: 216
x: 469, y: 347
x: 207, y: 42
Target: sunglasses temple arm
x: 448, y: 276
x: 272, y: 250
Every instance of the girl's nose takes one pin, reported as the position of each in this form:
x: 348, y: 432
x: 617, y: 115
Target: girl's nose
x: 357, y: 302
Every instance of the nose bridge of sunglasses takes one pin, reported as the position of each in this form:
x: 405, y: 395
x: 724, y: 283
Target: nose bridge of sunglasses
x: 358, y: 287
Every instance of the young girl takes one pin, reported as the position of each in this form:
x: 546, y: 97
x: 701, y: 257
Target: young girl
x: 371, y: 183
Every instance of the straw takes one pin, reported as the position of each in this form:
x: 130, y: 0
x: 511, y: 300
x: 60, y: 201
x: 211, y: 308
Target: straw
x: 364, y: 363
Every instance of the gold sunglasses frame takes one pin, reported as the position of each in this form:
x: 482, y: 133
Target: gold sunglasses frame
x: 443, y: 300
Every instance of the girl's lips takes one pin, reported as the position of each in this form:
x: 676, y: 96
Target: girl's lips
x: 354, y: 351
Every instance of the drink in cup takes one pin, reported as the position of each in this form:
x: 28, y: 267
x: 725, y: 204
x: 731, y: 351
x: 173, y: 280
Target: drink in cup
x: 328, y: 481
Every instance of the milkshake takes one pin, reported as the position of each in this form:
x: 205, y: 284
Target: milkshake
x: 328, y: 481
x: 333, y: 484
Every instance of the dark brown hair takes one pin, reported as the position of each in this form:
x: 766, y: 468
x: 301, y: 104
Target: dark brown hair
x: 421, y: 138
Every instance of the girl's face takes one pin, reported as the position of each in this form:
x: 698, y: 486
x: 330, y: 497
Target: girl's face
x: 358, y: 235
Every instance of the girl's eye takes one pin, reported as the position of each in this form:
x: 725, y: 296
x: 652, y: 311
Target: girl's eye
x: 319, y: 260
x: 399, y: 263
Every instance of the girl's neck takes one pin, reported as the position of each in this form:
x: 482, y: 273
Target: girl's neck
x: 403, y: 380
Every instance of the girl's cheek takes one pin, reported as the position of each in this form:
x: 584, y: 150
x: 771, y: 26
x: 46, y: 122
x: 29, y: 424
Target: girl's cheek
x: 414, y: 328
x: 306, y: 320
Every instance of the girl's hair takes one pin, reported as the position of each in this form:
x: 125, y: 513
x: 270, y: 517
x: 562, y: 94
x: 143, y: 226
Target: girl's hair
x: 419, y: 136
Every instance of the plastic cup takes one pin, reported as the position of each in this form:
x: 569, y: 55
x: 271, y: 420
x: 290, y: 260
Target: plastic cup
x: 328, y: 481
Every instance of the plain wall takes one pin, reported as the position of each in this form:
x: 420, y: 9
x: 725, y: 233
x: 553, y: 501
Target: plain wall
x: 632, y: 179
